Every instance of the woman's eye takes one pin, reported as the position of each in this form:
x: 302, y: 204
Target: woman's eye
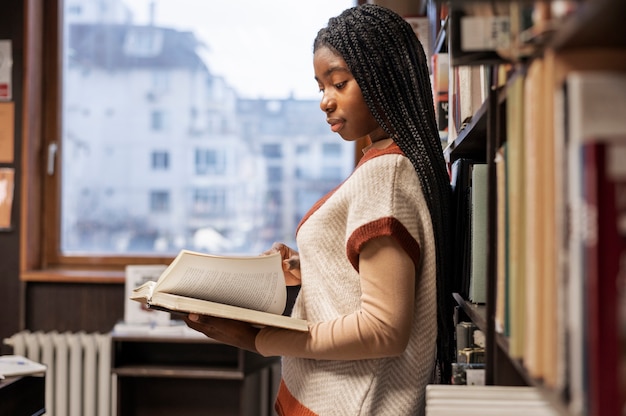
x: 340, y: 85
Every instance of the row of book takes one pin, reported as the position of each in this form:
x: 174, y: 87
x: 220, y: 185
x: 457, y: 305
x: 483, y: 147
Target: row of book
x: 560, y: 185
x: 470, y: 193
x: 560, y: 182
x: 481, y: 35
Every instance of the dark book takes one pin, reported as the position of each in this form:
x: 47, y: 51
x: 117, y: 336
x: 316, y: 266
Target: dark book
x: 604, y: 251
x: 460, y: 181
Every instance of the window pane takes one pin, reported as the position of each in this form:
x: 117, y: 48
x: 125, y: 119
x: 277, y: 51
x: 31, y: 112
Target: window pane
x: 192, y: 124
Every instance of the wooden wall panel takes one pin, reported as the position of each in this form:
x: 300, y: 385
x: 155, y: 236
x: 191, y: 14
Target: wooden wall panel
x: 89, y: 307
x: 11, y: 28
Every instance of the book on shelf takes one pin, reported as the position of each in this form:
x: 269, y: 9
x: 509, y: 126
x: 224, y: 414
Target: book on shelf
x: 477, y: 291
x: 468, y: 87
x: 501, y: 315
x: 421, y: 27
x: 551, y: 337
x: 477, y: 32
x: 448, y: 399
x: 540, y: 229
x: 604, y: 252
x: 460, y: 181
x: 441, y: 72
x: 246, y: 288
x: 515, y: 256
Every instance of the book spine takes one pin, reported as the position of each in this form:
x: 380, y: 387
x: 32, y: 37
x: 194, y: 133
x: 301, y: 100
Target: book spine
x: 478, y: 261
x: 604, y: 195
x: 501, y: 324
x: 441, y: 71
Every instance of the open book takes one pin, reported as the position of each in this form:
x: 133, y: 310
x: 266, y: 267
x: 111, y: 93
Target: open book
x: 244, y: 288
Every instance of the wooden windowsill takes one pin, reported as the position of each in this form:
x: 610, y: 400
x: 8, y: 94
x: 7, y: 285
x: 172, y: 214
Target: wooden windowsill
x: 74, y: 276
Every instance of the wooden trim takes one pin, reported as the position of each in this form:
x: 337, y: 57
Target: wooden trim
x: 53, y: 62
x: 31, y: 202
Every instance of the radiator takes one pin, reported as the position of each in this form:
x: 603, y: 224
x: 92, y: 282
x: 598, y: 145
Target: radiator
x: 78, y: 377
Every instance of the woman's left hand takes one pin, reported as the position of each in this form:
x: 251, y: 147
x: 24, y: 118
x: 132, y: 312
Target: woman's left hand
x: 231, y: 332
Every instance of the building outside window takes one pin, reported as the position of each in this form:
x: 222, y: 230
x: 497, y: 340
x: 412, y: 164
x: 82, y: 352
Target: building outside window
x: 232, y: 167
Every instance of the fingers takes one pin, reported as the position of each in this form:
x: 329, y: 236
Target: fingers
x: 292, y: 263
x: 276, y: 247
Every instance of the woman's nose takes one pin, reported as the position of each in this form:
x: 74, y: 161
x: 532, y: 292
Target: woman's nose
x: 327, y: 104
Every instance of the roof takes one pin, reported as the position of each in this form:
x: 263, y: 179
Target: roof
x: 115, y: 46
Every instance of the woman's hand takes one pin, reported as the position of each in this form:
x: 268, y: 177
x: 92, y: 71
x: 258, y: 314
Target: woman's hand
x: 236, y: 333
x: 291, y: 263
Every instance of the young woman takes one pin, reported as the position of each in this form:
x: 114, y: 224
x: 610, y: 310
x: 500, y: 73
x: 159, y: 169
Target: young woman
x: 372, y: 256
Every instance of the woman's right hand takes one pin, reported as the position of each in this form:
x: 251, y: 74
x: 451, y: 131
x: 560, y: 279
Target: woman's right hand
x: 291, y: 263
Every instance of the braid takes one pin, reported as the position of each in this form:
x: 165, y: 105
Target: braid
x: 389, y: 64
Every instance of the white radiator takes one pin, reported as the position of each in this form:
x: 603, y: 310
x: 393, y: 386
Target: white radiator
x: 78, y: 377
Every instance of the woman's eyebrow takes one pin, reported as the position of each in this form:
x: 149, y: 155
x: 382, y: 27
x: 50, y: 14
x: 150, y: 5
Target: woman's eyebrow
x: 332, y: 69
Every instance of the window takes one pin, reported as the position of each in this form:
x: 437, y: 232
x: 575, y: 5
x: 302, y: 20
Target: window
x: 160, y: 160
x: 208, y: 201
x: 158, y: 120
x: 159, y: 201
x: 224, y: 131
x: 275, y: 173
x: 272, y: 151
x: 209, y: 161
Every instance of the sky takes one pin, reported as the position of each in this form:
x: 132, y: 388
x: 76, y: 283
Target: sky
x: 263, y: 48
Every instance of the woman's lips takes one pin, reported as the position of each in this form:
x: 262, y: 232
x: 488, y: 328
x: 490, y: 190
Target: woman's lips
x: 335, y: 124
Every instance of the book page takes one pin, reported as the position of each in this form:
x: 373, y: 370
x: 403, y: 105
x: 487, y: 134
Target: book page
x: 254, y: 282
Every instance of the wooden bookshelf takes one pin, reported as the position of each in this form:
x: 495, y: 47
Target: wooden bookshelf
x: 475, y: 312
x: 191, y: 375
x: 591, y: 26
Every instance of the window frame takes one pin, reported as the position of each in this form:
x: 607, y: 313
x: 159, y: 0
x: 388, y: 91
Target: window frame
x: 40, y: 221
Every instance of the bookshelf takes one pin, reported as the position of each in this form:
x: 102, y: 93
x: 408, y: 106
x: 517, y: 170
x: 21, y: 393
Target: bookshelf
x: 588, y: 36
x: 191, y: 375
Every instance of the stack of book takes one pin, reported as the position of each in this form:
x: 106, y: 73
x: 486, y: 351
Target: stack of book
x: 446, y: 399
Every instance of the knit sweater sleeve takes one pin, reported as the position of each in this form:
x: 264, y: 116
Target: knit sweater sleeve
x: 380, y: 328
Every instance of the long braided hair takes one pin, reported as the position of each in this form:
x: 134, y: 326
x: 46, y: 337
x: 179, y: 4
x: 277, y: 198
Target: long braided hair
x: 389, y: 65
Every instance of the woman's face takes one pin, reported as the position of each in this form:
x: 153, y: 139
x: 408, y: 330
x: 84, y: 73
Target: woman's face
x: 342, y: 100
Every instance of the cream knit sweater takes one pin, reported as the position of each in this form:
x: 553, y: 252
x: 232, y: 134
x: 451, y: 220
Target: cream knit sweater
x: 339, y: 366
